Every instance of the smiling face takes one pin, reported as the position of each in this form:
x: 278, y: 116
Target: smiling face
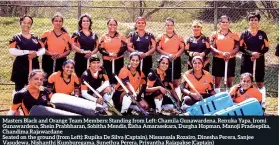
x: 57, y: 22
x: 95, y: 65
x: 197, y: 64
x: 163, y: 64
x: 246, y: 82
x: 135, y: 61
x: 140, y: 25
x: 26, y: 24
x: 68, y: 69
x: 85, y: 23
x: 37, y: 80
x: 169, y: 27
x: 224, y: 24
x: 112, y: 26
x: 254, y: 22
x: 196, y: 29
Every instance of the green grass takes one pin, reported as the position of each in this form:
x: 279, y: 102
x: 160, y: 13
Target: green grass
x: 10, y: 26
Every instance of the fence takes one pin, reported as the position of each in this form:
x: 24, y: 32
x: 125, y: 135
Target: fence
x: 184, y: 12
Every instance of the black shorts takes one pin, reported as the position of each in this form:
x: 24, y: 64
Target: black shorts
x: 247, y: 66
x: 147, y: 65
x: 116, y: 99
x: 177, y: 69
x: 218, y: 68
x: 107, y: 64
x: 80, y: 64
x: 47, y: 64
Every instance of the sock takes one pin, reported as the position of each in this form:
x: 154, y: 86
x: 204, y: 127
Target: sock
x: 158, y: 103
x: 125, y: 103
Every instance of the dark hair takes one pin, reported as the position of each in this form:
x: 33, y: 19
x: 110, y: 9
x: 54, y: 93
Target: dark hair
x: 224, y: 17
x: 24, y: 16
x: 162, y: 57
x: 94, y: 58
x: 81, y: 20
x: 140, y: 18
x: 199, y: 58
x: 61, y: 16
x: 134, y: 54
x: 68, y: 61
x: 169, y: 20
x: 253, y: 15
x: 111, y: 19
x: 245, y: 75
x: 34, y: 72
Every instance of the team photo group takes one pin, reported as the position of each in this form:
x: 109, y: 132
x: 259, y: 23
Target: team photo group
x: 100, y: 80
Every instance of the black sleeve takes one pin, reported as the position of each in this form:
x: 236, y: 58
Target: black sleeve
x: 152, y: 36
x: 75, y: 35
x: 122, y: 49
x: 130, y: 35
x: 277, y: 50
x: 242, y: 47
x: 207, y: 51
x: 187, y: 52
x: 18, y: 97
x: 265, y: 48
x: 103, y: 51
x: 151, y: 77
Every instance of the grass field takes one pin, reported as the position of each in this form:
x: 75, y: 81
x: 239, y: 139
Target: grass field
x: 10, y: 26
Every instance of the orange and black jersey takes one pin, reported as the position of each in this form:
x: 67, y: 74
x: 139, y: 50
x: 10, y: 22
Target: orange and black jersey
x: 142, y: 44
x: 56, y: 43
x: 225, y: 43
x: 27, y: 98
x: 116, y: 44
x: 135, y: 79
x: 59, y: 85
x: 83, y: 41
x: 152, y: 80
x: 20, y: 42
x: 238, y: 94
x: 197, y: 44
x: 249, y: 43
x: 204, y: 84
x: 93, y: 79
x: 171, y: 44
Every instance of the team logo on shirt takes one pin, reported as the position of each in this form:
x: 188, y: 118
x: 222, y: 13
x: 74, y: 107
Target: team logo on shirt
x: 35, y: 41
x: 44, y: 97
x: 100, y: 76
x: 203, y: 41
x: 260, y: 37
x: 147, y: 37
x: 138, y: 39
x: 205, y: 82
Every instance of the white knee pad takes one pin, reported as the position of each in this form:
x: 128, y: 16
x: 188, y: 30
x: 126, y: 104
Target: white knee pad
x: 158, y: 103
x: 107, y: 97
x: 125, y: 103
x: 168, y: 106
x: 263, y: 91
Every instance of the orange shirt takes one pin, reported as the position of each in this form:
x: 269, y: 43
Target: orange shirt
x: 225, y: 43
x: 135, y: 80
x: 172, y: 44
x: 239, y: 96
x: 203, y: 85
x: 60, y: 86
x: 58, y: 44
x: 112, y: 45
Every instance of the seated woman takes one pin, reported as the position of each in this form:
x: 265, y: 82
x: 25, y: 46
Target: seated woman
x: 201, y: 80
x: 32, y: 95
x: 245, y: 89
x: 65, y: 81
x: 156, y: 93
x: 132, y: 78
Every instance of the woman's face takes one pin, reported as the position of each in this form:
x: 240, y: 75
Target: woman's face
x: 254, y: 22
x: 224, y: 24
x: 112, y: 26
x: 246, y: 82
x: 95, y: 65
x: 68, y: 69
x: 163, y: 65
x: 37, y: 80
x: 134, y: 61
x: 169, y: 27
x: 85, y: 23
x: 57, y: 22
x: 140, y: 25
x: 196, y: 29
x: 197, y: 65
x: 26, y: 24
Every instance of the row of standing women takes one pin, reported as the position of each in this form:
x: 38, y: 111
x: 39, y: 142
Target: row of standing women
x: 55, y: 45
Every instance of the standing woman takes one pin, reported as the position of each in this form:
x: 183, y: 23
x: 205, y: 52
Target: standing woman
x: 254, y: 44
x: 65, y: 81
x: 31, y: 95
x: 57, y: 43
x: 85, y: 43
x: 26, y: 47
x: 112, y: 47
x: 172, y: 45
x: 198, y: 45
x: 224, y: 45
x: 144, y: 42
